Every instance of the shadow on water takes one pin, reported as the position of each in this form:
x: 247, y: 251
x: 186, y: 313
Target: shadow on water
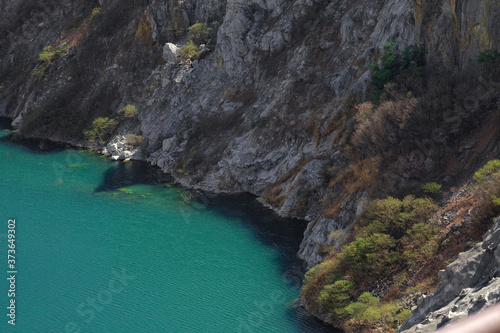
x: 131, y: 173
x: 283, y: 234
x: 35, y: 146
x: 5, y: 123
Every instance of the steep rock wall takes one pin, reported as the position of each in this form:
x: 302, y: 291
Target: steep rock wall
x: 470, y: 284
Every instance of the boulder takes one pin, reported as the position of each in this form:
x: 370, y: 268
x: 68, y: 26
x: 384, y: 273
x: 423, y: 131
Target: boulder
x: 167, y: 144
x: 170, y: 53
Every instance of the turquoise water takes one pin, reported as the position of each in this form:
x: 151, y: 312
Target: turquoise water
x: 137, y: 258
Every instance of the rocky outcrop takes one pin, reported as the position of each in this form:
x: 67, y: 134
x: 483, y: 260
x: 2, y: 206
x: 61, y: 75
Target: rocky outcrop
x: 324, y: 233
x: 470, y: 284
x: 170, y: 53
x: 120, y: 149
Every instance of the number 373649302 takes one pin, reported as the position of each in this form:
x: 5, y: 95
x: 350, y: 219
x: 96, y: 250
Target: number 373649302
x: 12, y: 244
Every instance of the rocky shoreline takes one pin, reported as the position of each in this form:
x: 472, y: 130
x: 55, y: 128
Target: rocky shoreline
x: 269, y: 100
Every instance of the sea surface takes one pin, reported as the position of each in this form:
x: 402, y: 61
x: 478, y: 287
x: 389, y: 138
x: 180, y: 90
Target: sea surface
x: 104, y: 246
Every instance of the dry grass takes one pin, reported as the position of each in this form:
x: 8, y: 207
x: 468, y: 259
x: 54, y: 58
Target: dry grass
x: 133, y: 140
x: 274, y: 196
x: 333, y: 123
x: 341, y: 129
x: 359, y: 175
x: 489, y: 132
x: 333, y: 209
x: 144, y: 31
x: 376, y: 131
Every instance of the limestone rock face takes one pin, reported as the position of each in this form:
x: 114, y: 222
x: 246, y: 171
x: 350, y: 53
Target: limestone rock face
x: 325, y: 232
x: 170, y: 53
x: 468, y: 285
x: 241, y: 115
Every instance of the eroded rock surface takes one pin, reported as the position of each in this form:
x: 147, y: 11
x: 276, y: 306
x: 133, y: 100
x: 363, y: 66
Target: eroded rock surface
x: 468, y: 285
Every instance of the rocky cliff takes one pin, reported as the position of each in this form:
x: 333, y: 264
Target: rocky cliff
x: 470, y: 284
x: 268, y: 105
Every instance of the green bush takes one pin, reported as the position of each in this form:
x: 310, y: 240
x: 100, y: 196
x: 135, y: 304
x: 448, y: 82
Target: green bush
x: 100, y: 129
x: 95, y: 12
x: 490, y: 56
x: 335, y: 297
x: 402, y: 316
x: 386, y: 72
x: 190, y: 51
x: 411, y: 61
x: 431, y: 188
x: 199, y: 33
x: 372, y: 255
x: 488, y: 181
x: 421, y: 243
x: 47, y: 54
x: 368, y: 311
x: 489, y: 169
x: 128, y: 111
x: 390, y: 230
x: 394, y: 216
x: 358, y: 309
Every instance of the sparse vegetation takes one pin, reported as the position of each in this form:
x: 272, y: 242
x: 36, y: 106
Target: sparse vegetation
x: 490, y: 56
x: 100, y: 129
x: 488, y: 187
x: 95, y: 12
x: 432, y: 188
x: 199, y: 33
x: 411, y: 61
x: 128, y: 111
x: 133, y: 140
x: 48, y: 55
x: 393, y: 235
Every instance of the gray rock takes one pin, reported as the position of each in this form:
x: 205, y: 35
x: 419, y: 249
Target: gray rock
x: 168, y: 143
x: 468, y: 285
x: 318, y: 231
x: 124, y: 155
x: 170, y: 53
